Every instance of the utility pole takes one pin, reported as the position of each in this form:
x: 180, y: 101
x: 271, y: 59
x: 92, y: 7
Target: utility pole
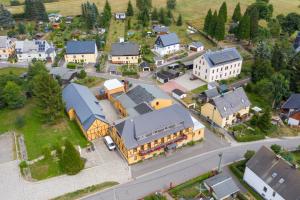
x: 220, y: 161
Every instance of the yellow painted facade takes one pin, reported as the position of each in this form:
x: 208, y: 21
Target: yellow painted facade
x: 156, y: 147
x: 125, y: 59
x: 161, y: 103
x: 116, y: 90
x: 81, y: 58
x: 97, y: 129
x: 209, y: 111
x: 6, y: 52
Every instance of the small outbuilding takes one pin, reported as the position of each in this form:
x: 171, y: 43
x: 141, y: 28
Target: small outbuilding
x: 196, y: 46
x: 178, y: 94
x: 120, y: 16
x: 113, y: 86
x: 145, y: 66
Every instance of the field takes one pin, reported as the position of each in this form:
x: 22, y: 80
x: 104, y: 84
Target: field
x: 38, y: 135
x: 192, y: 10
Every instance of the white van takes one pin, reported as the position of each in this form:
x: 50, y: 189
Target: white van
x: 109, y: 143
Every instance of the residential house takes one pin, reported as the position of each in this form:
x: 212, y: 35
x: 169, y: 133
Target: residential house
x: 167, y: 44
x: 125, y: 53
x: 120, y: 16
x: 196, y: 46
x: 54, y: 17
x: 178, y: 94
x: 272, y: 177
x: 158, y: 131
x: 7, y: 47
x: 158, y: 61
x: 205, y: 96
x: 221, y: 186
x: 65, y: 75
x: 297, y: 43
x: 128, y: 103
x: 113, y: 86
x: 218, y: 65
x: 83, y: 107
x: 81, y: 52
x: 35, y: 49
x: 291, y: 110
x: 160, y: 29
x: 228, y: 108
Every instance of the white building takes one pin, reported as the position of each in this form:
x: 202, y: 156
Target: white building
x: 120, y: 16
x: 167, y: 44
x: 39, y: 49
x: 196, y: 46
x: 178, y: 94
x: 218, y: 65
x: 272, y: 177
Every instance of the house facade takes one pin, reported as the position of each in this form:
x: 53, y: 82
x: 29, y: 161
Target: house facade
x: 113, y: 86
x: 170, y: 128
x: 272, y: 177
x: 228, y: 108
x: 218, y: 65
x: 125, y: 53
x: 81, y: 52
x: 167, y: 44
x: 7, y: 47
x: 35, y: 49
x: 83, y: 107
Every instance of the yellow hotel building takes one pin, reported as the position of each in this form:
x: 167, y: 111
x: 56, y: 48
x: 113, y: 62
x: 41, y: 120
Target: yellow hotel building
x: 156, y: 132
x: 81, y: 52
x: 7, y: 47
x: 228, y: 108
x: 82, y: 106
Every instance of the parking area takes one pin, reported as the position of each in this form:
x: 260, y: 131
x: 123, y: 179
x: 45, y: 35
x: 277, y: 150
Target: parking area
x: 6, y: 147
x: 188, y: 84
x: 110, y: 112
x: 170, y: 86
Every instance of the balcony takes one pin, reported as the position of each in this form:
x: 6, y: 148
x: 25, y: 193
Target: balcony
x: 163, y: 145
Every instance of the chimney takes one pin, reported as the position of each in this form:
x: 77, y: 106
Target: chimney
x: 126, y: 85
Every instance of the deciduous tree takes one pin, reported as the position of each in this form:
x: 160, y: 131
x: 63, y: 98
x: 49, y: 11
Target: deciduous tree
x: 13, y: 95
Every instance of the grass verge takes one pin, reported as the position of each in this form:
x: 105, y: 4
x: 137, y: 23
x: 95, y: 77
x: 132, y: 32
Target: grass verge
x: 88, y: 190
x: 199, y: 90
x: 90, y: 81
x: 13, y: 70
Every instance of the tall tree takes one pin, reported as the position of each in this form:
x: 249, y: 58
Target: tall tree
x: 264, y: 122
x: 223, y: 11
x: 13, y: 95
x: 290, y: 23
x: 207, y: 21
x: 220, y: 29
x: 254, y: 17
x: 261, y: 69
x: 171, y: 4
x: 48, y: 94
x: 243, y: 32
x: 213, y: 24
x: 35, y: 10
x: 130, y: 11
x: 6, y: 19
x: 144, y: 17
x: 21, y: 28
x: 236, y: 17
x: 179, y: 20
x: 142, y: 4
x: 262, y: 51
x: 71, y: 162
x: 280, y: 88
x: 154, y: 15
x: 294, y: 66
x: 274, y: 27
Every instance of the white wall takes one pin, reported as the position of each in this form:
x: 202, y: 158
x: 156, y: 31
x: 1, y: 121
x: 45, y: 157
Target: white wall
x: 162, y: 51
x: 258, y: 184
x: 202, y: 70
x: 293, y: 122
x: 177, y: 96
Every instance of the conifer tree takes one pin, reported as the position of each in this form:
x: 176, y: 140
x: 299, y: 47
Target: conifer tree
x: 35, y: 10
x: 207, y: 21
x: 236, y: 17
x: 130, y: 11
x: 6, y: 19
x: 223, y: 11
x: 213, y: 24
x: 154, y: 15
x: 254, y: 17
x: 179, y: 20
x: 171, y: 4
x: 243, y: 32
x: 220, y: 29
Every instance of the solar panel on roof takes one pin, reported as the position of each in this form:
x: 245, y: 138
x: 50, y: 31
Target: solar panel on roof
x: 223, y: 57
x: 139, y: 95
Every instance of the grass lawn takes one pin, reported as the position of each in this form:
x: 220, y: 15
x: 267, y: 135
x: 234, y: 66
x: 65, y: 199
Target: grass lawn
x: 189, y: 189
x: 90, y: 81
x: 296, y: 155
x: 200, y: 89
x: 44, y: 169
x: 256, y: 100
x: 38, y: 135
x: 116, y: 30
x: 88, y: 190
x: 14, y: 70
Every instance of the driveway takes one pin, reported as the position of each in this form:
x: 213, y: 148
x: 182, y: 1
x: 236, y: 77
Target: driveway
x: 185, y: 81
x: 6, y: 148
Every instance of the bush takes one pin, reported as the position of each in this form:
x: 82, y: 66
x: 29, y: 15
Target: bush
x: 191, y: 143
x: 47, y: 153
x: 155, y: 197
x: 276, y: 148
x: 71, y: 65
x: 81, y: 74
x: 23, y: 164
x: 58, y: 150
x: 15, y: 3
x: 249, y: 154
x: 71, y: 162
x: 249, y: 137
x: 20, y: 122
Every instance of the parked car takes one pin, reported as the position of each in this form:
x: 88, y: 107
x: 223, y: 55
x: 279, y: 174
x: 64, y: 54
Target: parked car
x: 109, y: 143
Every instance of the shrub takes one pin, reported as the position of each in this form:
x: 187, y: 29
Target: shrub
x: 20, y: 122
x: 155, y: 197
x: 249, y: 137
x: 249, y: 154
x: 81, y: 74
x: 15, y: 3
x: 71, y: 162
x: 23, y: 164
x: 191, y: 143
x: 47, y: 152
x: 276, y: 148
x: 71, y: 65
x: 58, y: 150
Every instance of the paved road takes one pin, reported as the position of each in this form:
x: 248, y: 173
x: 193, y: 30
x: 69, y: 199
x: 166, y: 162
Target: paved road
x: 183, y: 170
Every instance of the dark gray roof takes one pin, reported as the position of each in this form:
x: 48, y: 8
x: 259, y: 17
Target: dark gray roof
x: 63, y: 72
x: 178, y: 92
x: 216, y: 58
x: 212, y: 93
x: 84, y: 103
x: 81, y: 47
x: 143, y: 108
x: 222, y: 185
x: 139, y: 95
x: 196, y: 44
x: 137, y: 131
x: 124, y: 49
x: 293, y: 102
x: 167, y: 40
x: 231, y: 102
x: 144, y: 64
x: 160, y: 29
x: 271, y: 169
